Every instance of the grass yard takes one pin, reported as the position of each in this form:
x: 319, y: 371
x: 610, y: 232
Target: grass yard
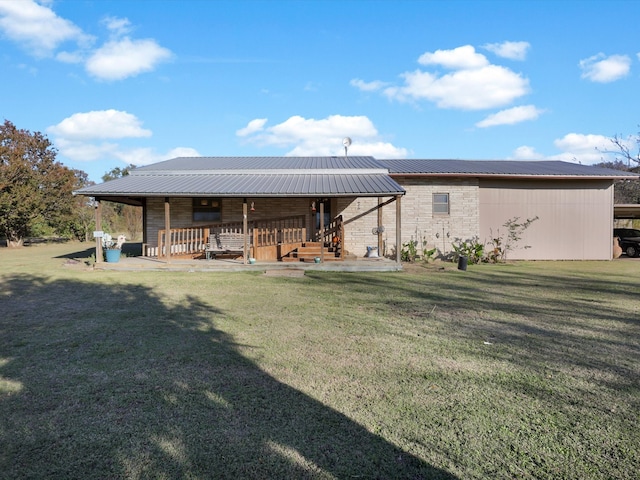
x: 526, y: 370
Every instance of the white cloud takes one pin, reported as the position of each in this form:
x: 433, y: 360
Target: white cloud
x: 490, y: 86
x: 526, y: 152
x: 464, y: 57
x: 510, y: 50
x: 37, y: 28
x: 123, y: 58
x: 511, y: 116
x: 367, y: 86
x: 92, y: 136
x: 582, y: 148
x: 81, y: 151
x: 147, y: 156
x: 98, y: 125
x: 252, y: 127
x: 310, y: 137
x: 602, y: 69
x: 118, y: 26
x: 473, y: 83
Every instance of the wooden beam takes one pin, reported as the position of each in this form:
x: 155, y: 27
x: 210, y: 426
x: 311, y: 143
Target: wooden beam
x: 379, y: 224
x: 322, y: 232
x: 244, y: 230
x: 373, y: 209
x: 98, y: 227
x: 398, y: 229
x: 167, y: 228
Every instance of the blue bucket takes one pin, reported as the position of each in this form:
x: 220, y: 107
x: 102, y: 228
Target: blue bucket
x: 113, y: 256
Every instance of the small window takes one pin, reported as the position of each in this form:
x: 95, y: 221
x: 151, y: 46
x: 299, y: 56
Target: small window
x: 207, y: 210
x: 441, y: 204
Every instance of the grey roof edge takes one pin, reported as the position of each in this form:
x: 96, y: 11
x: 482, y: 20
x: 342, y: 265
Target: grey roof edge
x: 535, y: 169
x: 320, y: 171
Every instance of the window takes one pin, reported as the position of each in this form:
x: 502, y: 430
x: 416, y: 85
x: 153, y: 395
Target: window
x: 207, y: 210
x: 440, y: 204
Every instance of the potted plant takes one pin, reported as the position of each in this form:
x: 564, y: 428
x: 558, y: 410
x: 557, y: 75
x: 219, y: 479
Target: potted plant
x: 112, y: 249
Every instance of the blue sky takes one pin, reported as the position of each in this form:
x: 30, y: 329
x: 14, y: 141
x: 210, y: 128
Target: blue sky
x: 118, y: 82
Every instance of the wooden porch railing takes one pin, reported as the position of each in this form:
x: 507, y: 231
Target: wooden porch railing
x: 333, y: 234
x: 262, y: 233
x: 267, y: 233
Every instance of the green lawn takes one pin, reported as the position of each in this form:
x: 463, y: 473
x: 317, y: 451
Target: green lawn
x: 525, y: 370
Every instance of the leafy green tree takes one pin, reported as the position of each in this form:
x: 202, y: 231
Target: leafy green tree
x: 34, y: 188
x: 117, y: 172
x: 118, y: 217
x: 83, y: 220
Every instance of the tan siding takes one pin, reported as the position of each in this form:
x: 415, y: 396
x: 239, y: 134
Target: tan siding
x: 575, y: 218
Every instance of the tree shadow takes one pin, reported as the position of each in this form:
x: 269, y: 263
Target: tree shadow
x: 129, y: 249
x: 113, y: 381
x: 558, y: 322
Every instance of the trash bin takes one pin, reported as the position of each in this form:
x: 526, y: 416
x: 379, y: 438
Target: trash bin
x: 462, y: 262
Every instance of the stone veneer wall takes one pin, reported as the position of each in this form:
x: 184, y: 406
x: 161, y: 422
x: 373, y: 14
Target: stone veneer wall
x: 418, y: 221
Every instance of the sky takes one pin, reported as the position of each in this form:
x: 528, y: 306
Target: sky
x: 113, y: 83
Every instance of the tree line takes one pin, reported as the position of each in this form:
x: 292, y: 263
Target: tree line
x: 36, y: 191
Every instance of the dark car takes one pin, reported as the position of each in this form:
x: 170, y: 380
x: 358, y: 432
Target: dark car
x: 629, y: 240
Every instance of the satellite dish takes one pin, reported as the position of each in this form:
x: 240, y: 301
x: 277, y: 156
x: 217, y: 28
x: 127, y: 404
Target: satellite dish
x: 346, y: 141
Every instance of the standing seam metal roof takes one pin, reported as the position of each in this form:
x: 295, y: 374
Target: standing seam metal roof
x: 248, y: 185
x: 311, y: 176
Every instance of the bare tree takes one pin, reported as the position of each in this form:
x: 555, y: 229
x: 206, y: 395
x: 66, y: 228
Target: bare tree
x: 622, y: 149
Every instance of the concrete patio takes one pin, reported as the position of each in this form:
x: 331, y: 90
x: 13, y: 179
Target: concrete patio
x: 140, y: 263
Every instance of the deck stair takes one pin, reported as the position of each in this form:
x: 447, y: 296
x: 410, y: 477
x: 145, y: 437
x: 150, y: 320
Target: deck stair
x: 310, y: 250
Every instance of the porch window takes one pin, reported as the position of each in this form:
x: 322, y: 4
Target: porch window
x: 440, y: 202
x: 207, y: 210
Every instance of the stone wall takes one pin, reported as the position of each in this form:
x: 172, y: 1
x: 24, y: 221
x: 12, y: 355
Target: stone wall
x: 418, y: 220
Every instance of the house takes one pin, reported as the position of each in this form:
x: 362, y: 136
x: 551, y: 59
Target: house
x: 359, y: 205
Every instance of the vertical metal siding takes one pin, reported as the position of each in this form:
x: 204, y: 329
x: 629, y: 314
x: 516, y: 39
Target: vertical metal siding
x: 575, y: 218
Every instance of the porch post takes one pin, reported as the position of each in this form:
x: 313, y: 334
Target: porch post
x: 398, y: 229
x: 244, y: 231
x: 379, y: 224
x: 322, y: 232
x: 167, y: 228
x: 98, y: 227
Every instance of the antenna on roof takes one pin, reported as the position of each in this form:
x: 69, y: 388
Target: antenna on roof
x: 346, y: 141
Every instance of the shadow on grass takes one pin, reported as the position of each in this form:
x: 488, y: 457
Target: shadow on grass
x: 111, y: 381
x: 130, y: 249
x: 537, y: 321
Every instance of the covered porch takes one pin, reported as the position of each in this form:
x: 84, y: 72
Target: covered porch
x: 288, y: 210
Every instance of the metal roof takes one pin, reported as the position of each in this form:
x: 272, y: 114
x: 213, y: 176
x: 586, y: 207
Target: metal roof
x: 247, y: 185
x: 500, y: 168
x: 316, y: 176
x: 276, y: 165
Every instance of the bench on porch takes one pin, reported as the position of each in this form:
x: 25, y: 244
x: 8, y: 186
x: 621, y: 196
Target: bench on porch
x: 224, y: 244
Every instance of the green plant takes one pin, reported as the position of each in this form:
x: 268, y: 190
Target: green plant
x: 501, y: 246
x: 409, y: 251
x: 427, y: 255
x: 471, y: 248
